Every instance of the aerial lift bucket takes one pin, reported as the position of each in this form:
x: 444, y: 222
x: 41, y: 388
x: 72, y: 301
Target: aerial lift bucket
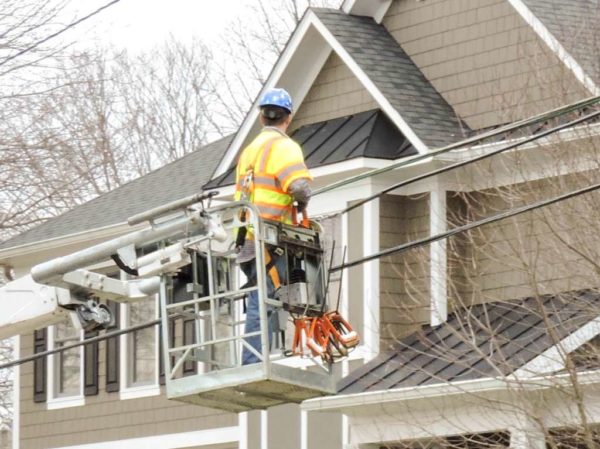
x: 203, y: 327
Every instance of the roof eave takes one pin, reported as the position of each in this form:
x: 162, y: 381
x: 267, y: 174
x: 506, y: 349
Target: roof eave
x: 371, y: 8
x: 554, y: 44
x: 70, y: 239
x: 360, y: 402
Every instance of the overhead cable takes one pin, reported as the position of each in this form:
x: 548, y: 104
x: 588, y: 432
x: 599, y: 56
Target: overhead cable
x: 463, y: 143
x: 79, y: 343
x: 466, y: 227
x: 472, y: 160
x: 59, y: 32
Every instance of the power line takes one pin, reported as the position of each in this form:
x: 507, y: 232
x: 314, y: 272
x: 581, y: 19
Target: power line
x: 470, y: 161
x: 53, y: 35
x: 463, y: 143
x: 79, y: 343
x: 467, y: 227
x: 510, y: 213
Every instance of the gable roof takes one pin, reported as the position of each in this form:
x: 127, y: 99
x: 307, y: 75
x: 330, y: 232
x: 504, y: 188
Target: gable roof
x: 575, y: 24
x: 486, y: 340
x: 570, y: 30
x: 173, y: 181
x: 392, y: 71
x: 376, y: 59
x: 367, y: 134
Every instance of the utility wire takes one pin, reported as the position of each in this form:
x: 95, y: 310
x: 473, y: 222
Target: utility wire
x: 389, y: 251
x: 463, y: 143
x: 467, y: 227
x: 53, y: 35
x: 510, y: 213
x: 470, y: 161
x: 79, y: 343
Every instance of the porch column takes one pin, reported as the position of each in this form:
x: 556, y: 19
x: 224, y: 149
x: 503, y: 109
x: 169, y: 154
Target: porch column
x: 438, y: 285
x: 371, y: 279
x: 527, y: 435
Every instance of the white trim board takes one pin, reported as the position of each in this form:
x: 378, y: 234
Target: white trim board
x: 169, y: 441
x: 306, y: 53
x: 553, y: 359
x: 372, y: 8
x: 548, y: 38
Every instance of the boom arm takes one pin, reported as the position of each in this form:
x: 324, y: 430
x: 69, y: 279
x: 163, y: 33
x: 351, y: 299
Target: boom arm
x: 61, y: 288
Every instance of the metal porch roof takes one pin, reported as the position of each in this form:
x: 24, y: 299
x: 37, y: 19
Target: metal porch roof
x: 481, y: 341
x: 367, y: 134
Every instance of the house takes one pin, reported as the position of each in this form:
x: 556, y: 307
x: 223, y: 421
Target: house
x: 484, y: 340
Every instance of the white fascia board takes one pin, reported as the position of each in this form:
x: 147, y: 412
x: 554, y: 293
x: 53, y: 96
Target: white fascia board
x: 542, y: 31
x: 338, y: 168
x: 209, y: 437
x: 346, y: 403
x: 566, y: 135
x: 553, y: 359
x: 295, y: 70
x: 381, y: 100
x: 372, y: 8
x: 69, y: 239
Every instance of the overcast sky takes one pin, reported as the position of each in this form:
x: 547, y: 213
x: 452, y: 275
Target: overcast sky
x: 140, y: 24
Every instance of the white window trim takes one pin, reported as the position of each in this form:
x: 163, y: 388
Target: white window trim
x: 127, y: 391
x: 53, y: 401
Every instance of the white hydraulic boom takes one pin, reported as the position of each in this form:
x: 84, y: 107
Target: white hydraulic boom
x: 61, y: 288
x: 203, y: 330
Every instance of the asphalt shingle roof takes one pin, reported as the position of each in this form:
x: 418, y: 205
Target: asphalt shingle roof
x: 576, y: 25
x: 392, y: 71
x: 367, y: 134
x: 173, y: 181
x: 486, y: 340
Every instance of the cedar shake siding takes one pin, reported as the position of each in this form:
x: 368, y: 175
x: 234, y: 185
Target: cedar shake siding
x: 404, y: 276
x: 104, y: 416
x: 336, y: 92
x: 483, y: 58
x: 548, y: 251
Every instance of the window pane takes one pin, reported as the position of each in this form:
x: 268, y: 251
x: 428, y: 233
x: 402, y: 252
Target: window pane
x: 142, y: 344
x: 68, y: 364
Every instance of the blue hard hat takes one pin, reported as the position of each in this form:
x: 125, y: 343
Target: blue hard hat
x: 276, y: 97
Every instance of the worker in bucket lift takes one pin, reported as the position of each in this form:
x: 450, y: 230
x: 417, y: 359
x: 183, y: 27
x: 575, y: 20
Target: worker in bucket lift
x: 271, y: 174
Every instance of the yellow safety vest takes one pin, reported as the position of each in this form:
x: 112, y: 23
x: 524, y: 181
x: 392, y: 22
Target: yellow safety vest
x: 265, y: 170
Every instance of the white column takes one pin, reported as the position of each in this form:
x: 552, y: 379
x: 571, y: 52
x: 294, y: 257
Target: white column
x: 371, y: 279
x: 527, y: 435
x: 438, y: 258
x: 264, y: 429
x: 344, y: 309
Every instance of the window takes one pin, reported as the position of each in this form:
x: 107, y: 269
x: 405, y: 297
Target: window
x: 142, y: 345
x: 139, y: 350
x: 65, y: 369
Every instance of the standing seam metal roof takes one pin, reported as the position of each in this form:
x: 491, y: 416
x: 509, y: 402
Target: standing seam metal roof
x: 366, y: 134
x: 485, y: 340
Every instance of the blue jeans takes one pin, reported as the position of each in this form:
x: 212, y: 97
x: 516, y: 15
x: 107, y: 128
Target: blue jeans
x: 252, y: 308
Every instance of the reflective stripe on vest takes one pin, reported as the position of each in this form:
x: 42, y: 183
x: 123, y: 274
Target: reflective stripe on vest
x: 272, y: 202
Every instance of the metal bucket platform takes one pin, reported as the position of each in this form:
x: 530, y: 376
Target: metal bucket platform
x: 248, y: 387
x: 204, y: 323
